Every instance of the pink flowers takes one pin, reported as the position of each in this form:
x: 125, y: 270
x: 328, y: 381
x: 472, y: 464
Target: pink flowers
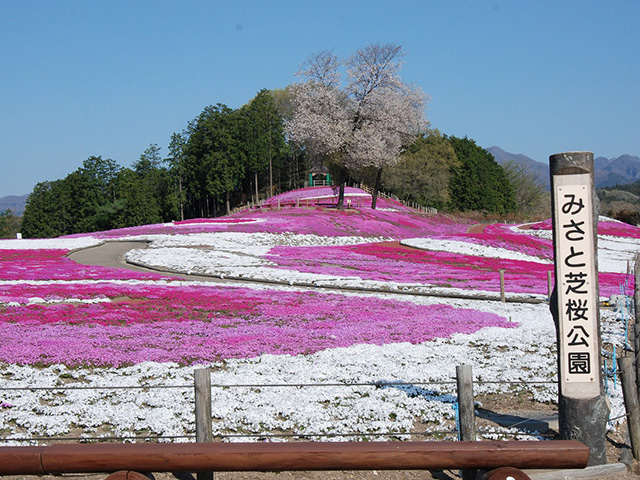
x: 391, y: 219
x: 203, y: 324
x: 54, y: 265
x: 75, y: 314
x: 393, y: 262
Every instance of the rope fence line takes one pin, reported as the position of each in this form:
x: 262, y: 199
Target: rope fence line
x: 263, y: 436
x: 504, y: 430
x: 94, y: 439
x: 113, y: 387
x: 280, y: 385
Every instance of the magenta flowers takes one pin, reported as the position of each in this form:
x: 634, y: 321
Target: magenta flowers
x: 204, y: 324
x: 54, y: 265
x: 53, y: 310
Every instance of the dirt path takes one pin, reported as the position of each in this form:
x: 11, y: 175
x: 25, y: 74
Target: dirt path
x: 113, y: 255
x: 477, y: 228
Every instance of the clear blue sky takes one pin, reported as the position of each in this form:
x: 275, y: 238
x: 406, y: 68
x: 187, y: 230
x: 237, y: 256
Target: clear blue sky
x: 91, y: 77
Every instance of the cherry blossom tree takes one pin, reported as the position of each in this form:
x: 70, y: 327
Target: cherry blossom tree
x: 361, y: 121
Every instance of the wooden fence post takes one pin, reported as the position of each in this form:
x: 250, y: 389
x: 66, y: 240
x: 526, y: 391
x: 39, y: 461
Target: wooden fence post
x: 466, y: 410
x: 202, y: 382
x: 549, y: 285
x: 627, y: 377
x: 503, y: 296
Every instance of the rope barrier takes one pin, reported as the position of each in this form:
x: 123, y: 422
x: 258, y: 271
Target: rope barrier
x: 280, y: 385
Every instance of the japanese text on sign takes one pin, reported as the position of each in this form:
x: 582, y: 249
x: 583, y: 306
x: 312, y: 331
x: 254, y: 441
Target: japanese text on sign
x: 576, y: 284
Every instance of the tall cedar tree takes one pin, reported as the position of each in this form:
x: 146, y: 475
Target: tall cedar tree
x: 263, y: 141
x: 479, y: 183
x: 214, y: 162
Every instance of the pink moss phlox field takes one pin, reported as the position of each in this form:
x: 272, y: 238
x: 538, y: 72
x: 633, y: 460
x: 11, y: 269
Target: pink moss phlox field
x: 54, y: 265
x: 313, y: 221
x: 320, y: 194
x: 114, y: 324
x: 393, y: 262
x: 605, y: 227
x: 353, y: 198
x: 390, y: 219
x: 390, y: 261
x: 618, y: 229
x: 223, y: 220
x: 203, y: 324
x: 501, y: 236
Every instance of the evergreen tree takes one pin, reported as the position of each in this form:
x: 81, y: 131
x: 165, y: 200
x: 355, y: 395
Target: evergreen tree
x: 46, y: 212
x: 92, y: 192
x: 9, y: 224
x: 263, y: 141
x: 479, y: 183
x: 176, y: 193
x: 214, y: 162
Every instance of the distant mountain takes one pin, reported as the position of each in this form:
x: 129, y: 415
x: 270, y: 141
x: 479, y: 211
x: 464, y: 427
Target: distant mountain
x: 609, y: 172
x: 617, y: 171
x: 541, y: 170
x: 15, y: 203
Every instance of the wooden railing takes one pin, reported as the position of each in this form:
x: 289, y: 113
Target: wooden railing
x: 414, y: 205
x: 293, y: 456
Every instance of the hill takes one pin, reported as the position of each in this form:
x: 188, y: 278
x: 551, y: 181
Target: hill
x: 295, y: 293
x: 15, y: 203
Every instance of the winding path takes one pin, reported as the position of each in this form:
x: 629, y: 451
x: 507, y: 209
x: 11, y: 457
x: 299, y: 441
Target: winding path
x: 112, y: 254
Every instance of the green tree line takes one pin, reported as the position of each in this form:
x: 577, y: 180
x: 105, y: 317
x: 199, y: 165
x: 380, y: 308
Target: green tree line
x: 226, y: 157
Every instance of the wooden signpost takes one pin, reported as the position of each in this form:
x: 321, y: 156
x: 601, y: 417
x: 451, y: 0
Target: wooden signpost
x: 583, y: 412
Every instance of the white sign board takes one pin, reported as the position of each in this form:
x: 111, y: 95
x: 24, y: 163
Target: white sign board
x: 576, y: 280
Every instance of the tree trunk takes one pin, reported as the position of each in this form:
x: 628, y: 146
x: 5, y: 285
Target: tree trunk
x: 256, y: 183
x: 343, y: 184
x: 270, y: 167
x: 270, y: 177
x: 180, y: 199
x: 228, y: 204
x: 374, y: 194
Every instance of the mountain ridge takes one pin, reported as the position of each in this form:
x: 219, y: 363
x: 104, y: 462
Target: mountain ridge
x: 15, y: 203
x: 608, y: 172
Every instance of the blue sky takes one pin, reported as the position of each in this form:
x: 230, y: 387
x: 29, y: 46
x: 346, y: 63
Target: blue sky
x: 91, y: 77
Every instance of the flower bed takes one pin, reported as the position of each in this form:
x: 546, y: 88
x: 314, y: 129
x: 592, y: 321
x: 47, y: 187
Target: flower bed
x: 55, y: 265
x: 392, y: 220
x: 205, y: 324
x: 396, y: 263
x: 67, y: 324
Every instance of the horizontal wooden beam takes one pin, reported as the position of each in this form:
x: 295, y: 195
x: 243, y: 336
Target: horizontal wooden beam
x: 195, y: 457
